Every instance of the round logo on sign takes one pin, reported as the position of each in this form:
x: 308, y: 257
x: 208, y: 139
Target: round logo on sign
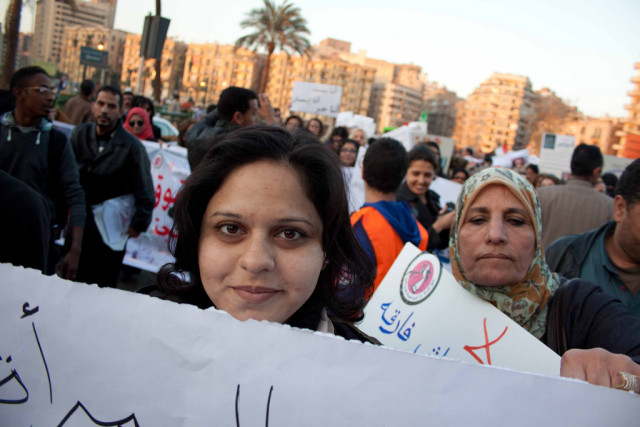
x: 420, y: 278
x: 158, y: 160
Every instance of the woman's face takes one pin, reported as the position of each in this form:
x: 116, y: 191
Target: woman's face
x: 358, y: 135
x: 260, y: 250
x: 419, y: 176
x: 137, y: 124
x: 336, y: 141
x: 459, y: 177
x: 292, y: 125
x: 348, y: 154
x: 497, y: 240
x: 314, y: 127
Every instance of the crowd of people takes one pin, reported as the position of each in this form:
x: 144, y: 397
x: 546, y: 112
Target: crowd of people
x: 265, y: 226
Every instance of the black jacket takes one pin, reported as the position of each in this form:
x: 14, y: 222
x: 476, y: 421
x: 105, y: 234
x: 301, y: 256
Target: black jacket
x: 426, y: 215
x: 203, y: 135
x: 567, y: 254
x: 121, y: 168
x: 582, y: 315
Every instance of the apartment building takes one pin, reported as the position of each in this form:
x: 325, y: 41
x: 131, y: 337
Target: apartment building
x: 74, y: 37
x: 594, y: 131
x: 498, y: 113
x: 552, y: 114
x: 355, y: 79
x: 172, y: 67
x: 53, y: 16
x: 629, y: 145
x: 210, y: 68
x: 440, y: 104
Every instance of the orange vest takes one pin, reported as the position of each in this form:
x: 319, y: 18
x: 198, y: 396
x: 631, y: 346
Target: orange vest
x: 385, y: 242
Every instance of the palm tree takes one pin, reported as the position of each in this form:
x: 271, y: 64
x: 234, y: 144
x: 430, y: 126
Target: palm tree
x: 276, y: 26
x: 13, y: 29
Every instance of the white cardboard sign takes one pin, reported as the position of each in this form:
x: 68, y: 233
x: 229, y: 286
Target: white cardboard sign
x: 555, y: 154
x: 78, y: 355
x: 419, y: 307
x: 316, y: 98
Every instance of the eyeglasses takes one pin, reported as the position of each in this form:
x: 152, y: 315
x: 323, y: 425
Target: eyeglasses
x: 134, y: 123
x: 349, y: 150
x: 42, y: 89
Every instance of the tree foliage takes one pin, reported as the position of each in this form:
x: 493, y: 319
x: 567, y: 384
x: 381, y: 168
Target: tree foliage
x: 275, y: 27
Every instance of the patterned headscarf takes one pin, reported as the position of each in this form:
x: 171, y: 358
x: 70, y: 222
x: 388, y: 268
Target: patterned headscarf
x: 524, y: 302
x: 147, y: 131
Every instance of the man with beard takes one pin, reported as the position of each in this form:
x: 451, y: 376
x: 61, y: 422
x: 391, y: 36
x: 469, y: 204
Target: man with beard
x: 112, y: 163
x: 32, y: 151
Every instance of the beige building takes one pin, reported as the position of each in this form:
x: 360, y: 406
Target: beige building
x: 320, y: 67
x: 172, y: 67
x: 210, y: 68
x: 75, y: 37
x: 53, y: 16
x: 594, y: 131
x: 498, y: 112
x: 629, y: 145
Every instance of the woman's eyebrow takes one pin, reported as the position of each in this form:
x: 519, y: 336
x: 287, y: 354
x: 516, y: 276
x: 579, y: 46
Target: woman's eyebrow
x: 227, y: 214
x: 279, y: 221
x: 295, y: 219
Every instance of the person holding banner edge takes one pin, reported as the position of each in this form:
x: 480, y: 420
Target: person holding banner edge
x: 263, y: 231
x: 496, y: 254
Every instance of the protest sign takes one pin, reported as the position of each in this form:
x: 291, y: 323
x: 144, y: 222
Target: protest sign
x: 506, y: 160
x: 169, y: 169
x: 614, y: 164
x: 75, y: 354
x: 555, y: 154
x: 420, y: 307
x: 350, y: 120
x: 447, y: 145
x: 316, y: 98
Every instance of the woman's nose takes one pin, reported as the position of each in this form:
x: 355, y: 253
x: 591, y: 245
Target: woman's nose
x: 496, y: 231
x: 258, y: 255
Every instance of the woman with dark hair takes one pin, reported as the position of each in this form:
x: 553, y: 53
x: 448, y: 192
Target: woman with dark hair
x: 338, y: 136
x: 424, y: 203
x: 316, y: 127
x: 460, y: 175
x: 293, y: 123
x: 262, y: 228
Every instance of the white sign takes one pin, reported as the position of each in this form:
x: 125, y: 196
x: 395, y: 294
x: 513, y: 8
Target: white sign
x: 447, y: 190
x: 506, y: 160
x: 75, y: 354
x: 555, y: 154
x: 351, y: 121
x: 447, y: 146
x: 169, y: 169
x: 316, y: 98
x: 615, y: 165
x: 419, y: 307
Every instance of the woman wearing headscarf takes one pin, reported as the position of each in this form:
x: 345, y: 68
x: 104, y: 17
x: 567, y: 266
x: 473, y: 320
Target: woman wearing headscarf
x: 496, y: 255
x: 139, y: 125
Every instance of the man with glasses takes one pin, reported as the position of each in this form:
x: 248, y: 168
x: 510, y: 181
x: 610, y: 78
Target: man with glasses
x: 112, y: 163
x: 41, y: 157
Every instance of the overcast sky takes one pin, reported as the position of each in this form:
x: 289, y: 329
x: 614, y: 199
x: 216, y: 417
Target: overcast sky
x: 583, y: 50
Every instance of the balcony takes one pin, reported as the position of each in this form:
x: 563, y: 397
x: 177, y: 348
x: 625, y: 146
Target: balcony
x: 632, y: 107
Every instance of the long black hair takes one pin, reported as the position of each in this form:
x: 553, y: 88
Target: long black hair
x: 321, y: 176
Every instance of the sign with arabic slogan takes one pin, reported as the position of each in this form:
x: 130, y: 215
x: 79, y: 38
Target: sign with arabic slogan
x: 78, y: 355
x: 316, y: 98
x: 419, y: 307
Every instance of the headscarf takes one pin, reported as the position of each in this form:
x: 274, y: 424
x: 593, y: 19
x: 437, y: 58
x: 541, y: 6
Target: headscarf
x: 524, y: 302
x: 147, y: 132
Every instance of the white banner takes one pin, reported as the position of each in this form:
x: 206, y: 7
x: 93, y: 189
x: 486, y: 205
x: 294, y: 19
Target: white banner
x: 316, y: 98
x: 419, y: 307
x: 169, y: 169
x: 75, y: 354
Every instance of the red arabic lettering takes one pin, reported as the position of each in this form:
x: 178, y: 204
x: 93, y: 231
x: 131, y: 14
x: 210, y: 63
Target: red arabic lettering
x: 168, y: 198
x: 486, y: 345
x: 158, y: 194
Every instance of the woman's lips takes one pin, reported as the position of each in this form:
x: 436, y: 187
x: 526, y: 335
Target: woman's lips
x: 494, y: 256
x: 255, y: 294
